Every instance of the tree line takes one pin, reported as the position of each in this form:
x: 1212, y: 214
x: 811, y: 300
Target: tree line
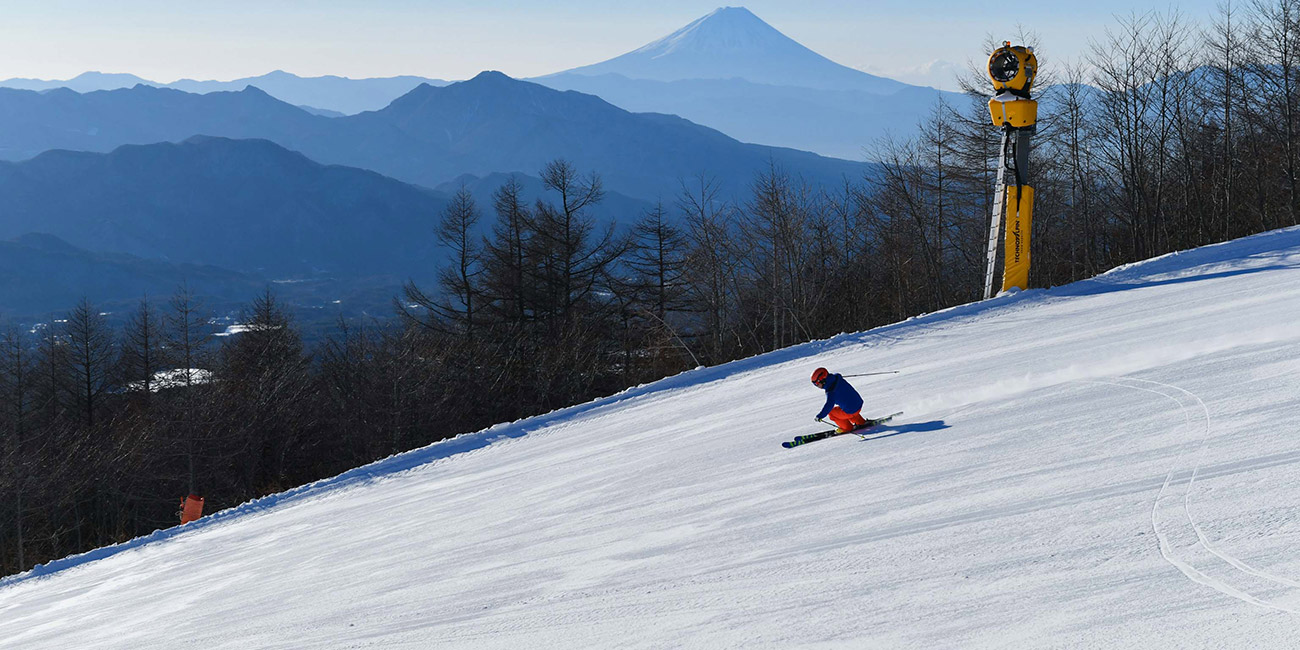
x: 1163, y: 138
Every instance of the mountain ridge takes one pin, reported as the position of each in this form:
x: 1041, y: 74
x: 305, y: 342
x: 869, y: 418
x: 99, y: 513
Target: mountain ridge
x: 488, y: 124
x: 246, y: 205
x: 727, y: 70
x: 326, y: 92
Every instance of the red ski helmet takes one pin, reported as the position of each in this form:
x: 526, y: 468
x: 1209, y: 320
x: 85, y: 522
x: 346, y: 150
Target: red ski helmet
x: 819, y: 376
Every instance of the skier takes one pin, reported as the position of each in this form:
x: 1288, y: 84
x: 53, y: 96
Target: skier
x: 843, y: 404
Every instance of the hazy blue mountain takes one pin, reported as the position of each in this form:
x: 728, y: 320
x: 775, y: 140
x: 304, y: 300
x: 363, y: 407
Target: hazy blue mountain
x: 728, y: 70
x: 733, y: 72
x: 329, y: 240
x: 247, y: 205
x: 328, y: 93
x: 733, y: 42
x: 32, y: 122
x: 493, y: 123
x: 429, y: 136
x: 82, y: 83
x: 840, y: 123
x: 40, y: 273
x: 323, y: 112
x: 333, y: 93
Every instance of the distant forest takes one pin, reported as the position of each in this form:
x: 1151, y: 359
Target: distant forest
x: 1167, y: 137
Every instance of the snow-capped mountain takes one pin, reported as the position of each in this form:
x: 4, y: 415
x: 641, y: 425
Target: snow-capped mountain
x: 733, y: 72
x: 838, y: 123
x: 1107, y: 464
x: 732, y: 42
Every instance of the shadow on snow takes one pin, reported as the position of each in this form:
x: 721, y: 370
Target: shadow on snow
x: 912, y: 427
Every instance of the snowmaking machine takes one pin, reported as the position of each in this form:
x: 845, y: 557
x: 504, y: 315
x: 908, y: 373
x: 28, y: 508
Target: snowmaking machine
x: 1012, y: 70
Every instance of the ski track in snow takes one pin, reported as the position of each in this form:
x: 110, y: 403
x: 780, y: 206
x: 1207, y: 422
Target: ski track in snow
x: 1183, y: 558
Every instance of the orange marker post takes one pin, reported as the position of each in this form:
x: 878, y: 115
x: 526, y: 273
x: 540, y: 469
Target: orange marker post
x: 191, y: 508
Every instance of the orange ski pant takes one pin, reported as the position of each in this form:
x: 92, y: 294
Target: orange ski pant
x: 846, y: 421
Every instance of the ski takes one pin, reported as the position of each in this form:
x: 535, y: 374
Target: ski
x: 803, y: 440
x: 822, y: 435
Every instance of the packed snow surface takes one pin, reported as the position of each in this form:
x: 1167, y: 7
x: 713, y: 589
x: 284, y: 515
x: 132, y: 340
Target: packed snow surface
x: 1109, y: 464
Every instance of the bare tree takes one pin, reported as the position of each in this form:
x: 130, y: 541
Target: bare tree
x: 1142, y: 73
x: 187, y: 338
x: 570, y: 263
x: 458, y: 281
x: 140, y: 357
x: 90, y: 355
x: 712, y: 268
x: 654, y: 291
x: 1275, y: 53
x: 15, y: 415
x: 505, y: 269
x: 263, y: 383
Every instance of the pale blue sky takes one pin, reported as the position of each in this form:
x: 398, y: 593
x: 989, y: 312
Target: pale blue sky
x: 166, y: 40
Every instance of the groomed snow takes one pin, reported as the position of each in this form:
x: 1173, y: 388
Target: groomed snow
x: 1110, y: 464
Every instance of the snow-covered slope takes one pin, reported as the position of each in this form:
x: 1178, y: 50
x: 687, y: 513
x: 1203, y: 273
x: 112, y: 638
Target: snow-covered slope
x: 732, y: 42
x: 1110, y: 464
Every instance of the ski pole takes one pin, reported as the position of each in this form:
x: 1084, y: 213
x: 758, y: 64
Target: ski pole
x: 868, y: 374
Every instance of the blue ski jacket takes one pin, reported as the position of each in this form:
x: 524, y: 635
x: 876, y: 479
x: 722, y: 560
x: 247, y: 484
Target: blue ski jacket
x: 840, y: 393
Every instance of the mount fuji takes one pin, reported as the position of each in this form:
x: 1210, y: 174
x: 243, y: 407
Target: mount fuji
x: 731, y: 42
x: 733, y: 72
